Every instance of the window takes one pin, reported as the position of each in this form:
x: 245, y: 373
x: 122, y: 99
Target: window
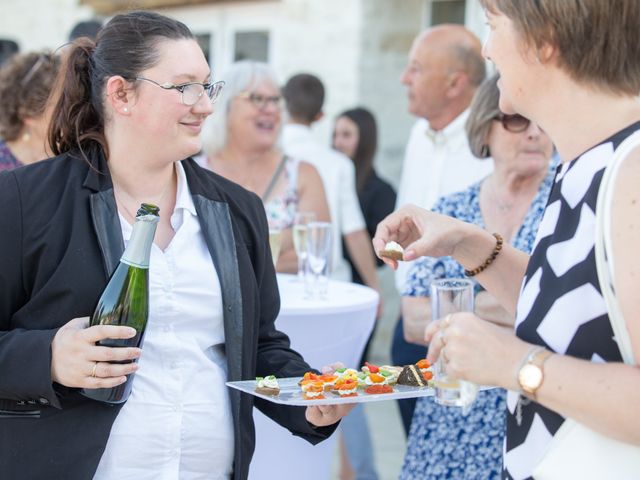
x: 7, y: 49
x: 252, y: 46
x: 446, y: 11
x: 204, y: 40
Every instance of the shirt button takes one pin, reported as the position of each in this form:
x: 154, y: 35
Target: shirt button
x: 43, y: 401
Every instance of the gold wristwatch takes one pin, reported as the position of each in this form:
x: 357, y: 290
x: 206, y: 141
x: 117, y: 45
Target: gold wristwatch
x: 531, y: 373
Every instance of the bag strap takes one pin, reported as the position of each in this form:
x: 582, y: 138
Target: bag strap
x: 274, y: 179
x: 603, y: 249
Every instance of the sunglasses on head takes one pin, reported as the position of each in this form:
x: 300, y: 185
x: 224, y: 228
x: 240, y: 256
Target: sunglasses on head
x: 513, y: 123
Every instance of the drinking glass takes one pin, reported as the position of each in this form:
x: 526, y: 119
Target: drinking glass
x: 318, y: 255
x: 451, y: 296
x: 275, y: 237
x: 300, y: 222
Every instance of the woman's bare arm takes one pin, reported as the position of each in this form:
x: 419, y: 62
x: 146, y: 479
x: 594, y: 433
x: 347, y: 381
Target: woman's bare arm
x: 425, y: 233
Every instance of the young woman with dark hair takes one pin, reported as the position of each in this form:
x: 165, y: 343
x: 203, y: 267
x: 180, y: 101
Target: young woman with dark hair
x: 127, y: 120
x: 356, y: 135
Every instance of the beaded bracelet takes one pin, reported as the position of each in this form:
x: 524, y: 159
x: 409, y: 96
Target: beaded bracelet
x: 490, y: 258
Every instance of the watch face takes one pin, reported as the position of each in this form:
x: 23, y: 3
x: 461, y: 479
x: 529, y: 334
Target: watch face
x: 530, y: 377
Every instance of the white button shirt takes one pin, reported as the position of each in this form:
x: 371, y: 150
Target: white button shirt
x: 437, y: 164
x: 177, y: 422
x: 339, y: 180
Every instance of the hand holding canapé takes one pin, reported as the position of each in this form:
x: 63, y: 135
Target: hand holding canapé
x: 420, y: 232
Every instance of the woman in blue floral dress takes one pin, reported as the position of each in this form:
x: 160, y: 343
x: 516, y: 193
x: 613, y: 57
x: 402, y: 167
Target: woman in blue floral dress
x: 443, y: 443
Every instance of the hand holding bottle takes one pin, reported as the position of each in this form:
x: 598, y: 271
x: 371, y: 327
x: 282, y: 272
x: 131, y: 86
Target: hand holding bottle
x: 76, y: 360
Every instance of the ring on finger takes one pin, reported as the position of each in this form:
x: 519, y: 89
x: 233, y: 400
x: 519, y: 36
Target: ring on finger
x: 93, y: 370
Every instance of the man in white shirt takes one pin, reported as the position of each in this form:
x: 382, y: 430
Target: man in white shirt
x: 304, y: 96
x: 444, y: 70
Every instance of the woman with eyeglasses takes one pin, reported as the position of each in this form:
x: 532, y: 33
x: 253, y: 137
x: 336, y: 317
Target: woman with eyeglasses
x: 127, y: 119
x: 26, y: 81
x: 244, y: 148
x: 570, y: 360
x: 444, y: 443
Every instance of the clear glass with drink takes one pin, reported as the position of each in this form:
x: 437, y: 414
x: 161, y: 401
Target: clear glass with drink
x: 300, y: 223
x: 318, y: 257
x: 452, y: 296
x: 275, y: 238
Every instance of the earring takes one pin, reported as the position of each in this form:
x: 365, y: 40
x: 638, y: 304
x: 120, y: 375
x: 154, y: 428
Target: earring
x: 26, y: 136
x: 125, y: 109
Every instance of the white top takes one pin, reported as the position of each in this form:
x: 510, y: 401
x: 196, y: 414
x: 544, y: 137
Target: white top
x: 177, y: 422
x: 436, y: 164
x: 339, y: 179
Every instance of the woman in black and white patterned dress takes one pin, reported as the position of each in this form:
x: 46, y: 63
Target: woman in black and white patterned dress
x: 573, y: 67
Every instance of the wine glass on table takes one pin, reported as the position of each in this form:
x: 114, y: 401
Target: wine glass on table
x: 318, y: 255
x: 450, y: 296
x: 300, y: 227
x: 275, y: 239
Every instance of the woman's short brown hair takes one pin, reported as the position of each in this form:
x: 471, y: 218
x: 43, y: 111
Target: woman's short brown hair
x: 484, y: 109
x: 26, y: 81
x: 597, y: 41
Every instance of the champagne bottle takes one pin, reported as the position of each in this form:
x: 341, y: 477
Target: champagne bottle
x: 125, y: 300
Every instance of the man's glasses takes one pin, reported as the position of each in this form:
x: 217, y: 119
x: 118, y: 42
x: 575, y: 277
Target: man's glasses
x: 191, y: 92
x: 513, y: 123
x: 261, y: 101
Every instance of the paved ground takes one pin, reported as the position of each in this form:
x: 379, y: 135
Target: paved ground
x: 384, y: 420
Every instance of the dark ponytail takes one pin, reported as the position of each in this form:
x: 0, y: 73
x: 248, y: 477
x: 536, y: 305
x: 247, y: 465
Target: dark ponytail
x: 77, y: 121
x: 125, y: 46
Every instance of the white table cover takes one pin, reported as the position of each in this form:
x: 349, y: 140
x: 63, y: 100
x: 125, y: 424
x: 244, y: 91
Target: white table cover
x: 323, y: 331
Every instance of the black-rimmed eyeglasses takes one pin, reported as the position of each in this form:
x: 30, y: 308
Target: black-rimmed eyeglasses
x: 513, y: 123
x: 191, y: 92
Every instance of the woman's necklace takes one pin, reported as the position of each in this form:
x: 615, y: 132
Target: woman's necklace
x: 121, y: 203
x: 500, y: 204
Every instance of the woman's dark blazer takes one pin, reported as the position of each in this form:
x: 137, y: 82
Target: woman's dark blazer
x: 60, y: 238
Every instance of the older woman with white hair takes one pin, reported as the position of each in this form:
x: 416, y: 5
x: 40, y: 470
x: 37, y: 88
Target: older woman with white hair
x: 243, y: 147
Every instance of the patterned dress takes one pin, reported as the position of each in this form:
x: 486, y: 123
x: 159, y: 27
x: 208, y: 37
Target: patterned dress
x: 281, y: 209
x: 560, y: 304
x: 443, y: 443
x: 7, y: 160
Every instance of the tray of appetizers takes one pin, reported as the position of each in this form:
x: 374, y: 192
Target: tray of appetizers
x: 344, y: 385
